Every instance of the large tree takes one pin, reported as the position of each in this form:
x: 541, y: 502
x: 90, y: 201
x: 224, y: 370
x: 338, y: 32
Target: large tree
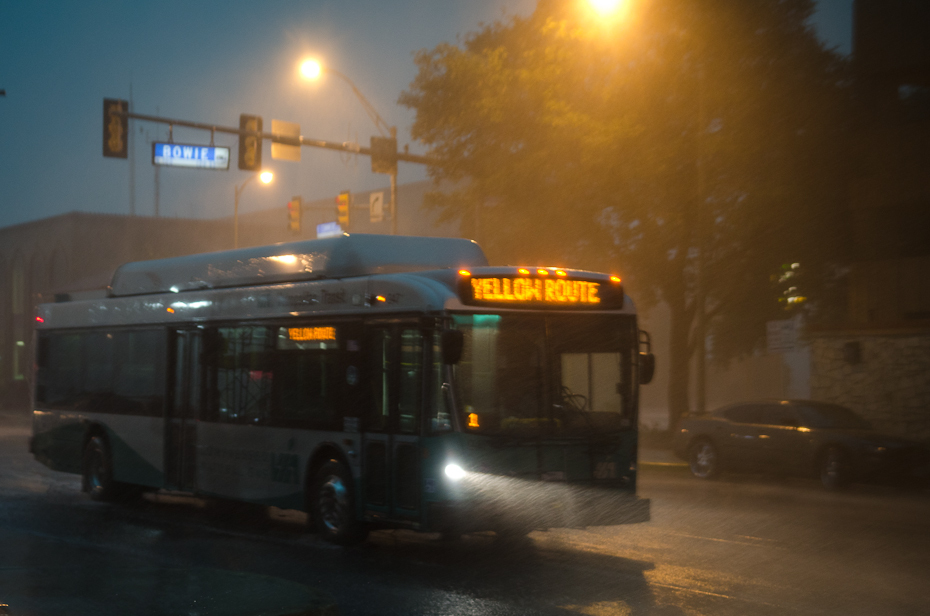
x: 694, y: 146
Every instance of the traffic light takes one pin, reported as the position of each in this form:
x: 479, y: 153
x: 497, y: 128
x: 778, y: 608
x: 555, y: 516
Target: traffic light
x: 250, y: 146
x: 384, y: 155
x: 115, y: 129
x: 294, y: 209
x: 342, y: 209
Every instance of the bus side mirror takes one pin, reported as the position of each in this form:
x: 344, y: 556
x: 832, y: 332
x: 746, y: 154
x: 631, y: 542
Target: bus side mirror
x: 453, y: 341
x: 647, y: 368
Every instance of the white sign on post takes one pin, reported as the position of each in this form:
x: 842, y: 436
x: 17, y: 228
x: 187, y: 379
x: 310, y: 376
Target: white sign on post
x: 284, y: 151
x: 376, y: 206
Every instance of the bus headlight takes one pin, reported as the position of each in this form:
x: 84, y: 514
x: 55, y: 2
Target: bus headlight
x: 454, y: 472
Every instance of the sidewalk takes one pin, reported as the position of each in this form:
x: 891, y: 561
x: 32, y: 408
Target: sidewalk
x: 660, y: 459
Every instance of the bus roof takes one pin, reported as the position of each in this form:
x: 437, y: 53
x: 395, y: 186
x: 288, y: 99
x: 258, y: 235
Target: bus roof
x: 337, y: 257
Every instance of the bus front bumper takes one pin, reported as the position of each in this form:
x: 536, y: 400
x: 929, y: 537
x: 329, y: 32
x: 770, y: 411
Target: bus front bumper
x: 540, y: 506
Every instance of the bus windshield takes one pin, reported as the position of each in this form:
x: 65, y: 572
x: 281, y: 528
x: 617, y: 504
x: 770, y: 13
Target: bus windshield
x: 545, y: 374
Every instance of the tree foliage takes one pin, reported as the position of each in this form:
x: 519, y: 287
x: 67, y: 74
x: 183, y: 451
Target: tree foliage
x: 680, y: 138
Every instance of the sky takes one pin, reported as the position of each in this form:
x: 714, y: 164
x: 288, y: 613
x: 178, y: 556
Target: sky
x: 209, y: 61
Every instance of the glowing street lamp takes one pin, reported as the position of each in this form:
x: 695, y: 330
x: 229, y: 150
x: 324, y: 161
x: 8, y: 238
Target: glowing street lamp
x: 311, y: 69
x: 605, y: 7
x: 265, y: 177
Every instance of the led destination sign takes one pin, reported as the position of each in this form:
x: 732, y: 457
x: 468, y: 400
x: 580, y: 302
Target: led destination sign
x: 190, y: 156
x: 306, y: 334
x: 541, y: 292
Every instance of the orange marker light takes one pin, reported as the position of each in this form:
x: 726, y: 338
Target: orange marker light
x: 170, y: 309
x: 542, y: 272
x: 380, y: 298
x: 560, y: 273
x: 523, y: 271
x: 615, y: 278
x: 473, y: 420
x: 464, y: 273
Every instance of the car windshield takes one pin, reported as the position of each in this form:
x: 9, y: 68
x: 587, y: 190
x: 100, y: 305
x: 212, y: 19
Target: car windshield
x: 545, y: 374
x: 831, y: 416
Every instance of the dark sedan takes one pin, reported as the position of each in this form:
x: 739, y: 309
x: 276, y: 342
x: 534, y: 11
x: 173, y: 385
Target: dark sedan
x: 798, y: 437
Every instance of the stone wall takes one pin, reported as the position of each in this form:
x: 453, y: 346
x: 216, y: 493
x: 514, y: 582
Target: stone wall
x: 883, y: 376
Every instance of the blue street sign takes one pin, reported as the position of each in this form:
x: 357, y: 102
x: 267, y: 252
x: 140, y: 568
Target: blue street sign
x: 328, y: 229
x: 190, y: 156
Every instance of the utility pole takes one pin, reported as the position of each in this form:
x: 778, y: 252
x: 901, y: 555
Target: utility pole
x: 394, y: 188
x: 157, y: 181
x: 130, y: 141
x: 700, y: 227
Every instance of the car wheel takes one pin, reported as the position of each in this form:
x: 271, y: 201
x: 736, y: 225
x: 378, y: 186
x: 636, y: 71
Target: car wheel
x: 703, y: 459
x: 834, y: 469
x: 333, y: 505
x: 97, y: 478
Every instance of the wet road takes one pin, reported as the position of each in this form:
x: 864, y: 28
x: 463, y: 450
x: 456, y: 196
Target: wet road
x: 736, y: 546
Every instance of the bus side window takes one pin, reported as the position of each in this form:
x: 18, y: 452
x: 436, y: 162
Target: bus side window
x: 61, y: 372
x: 411, y: 369
x: 242, y: 362
x: 98, y: 372
x: 307, y: 383
x: 440, y: 419
x: 139, y: 384
x: 380, y: 366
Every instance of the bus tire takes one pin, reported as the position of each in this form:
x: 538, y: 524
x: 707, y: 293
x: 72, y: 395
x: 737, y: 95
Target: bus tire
x: 332, y: 504
x: 97, y: 478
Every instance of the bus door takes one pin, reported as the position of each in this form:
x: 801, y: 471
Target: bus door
x: 184, y: 402
x: 391, y: 451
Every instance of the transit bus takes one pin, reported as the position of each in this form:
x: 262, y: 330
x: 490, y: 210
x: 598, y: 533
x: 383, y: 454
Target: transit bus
x: 371, y: 381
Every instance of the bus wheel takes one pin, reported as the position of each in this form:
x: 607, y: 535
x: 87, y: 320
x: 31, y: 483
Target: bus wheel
x: 333, y: 505
x: 98, y: 471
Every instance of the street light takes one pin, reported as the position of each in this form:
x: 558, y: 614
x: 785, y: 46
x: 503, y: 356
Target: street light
x: 312, y: 69
x: 605, y: 7
x: 264, y: 177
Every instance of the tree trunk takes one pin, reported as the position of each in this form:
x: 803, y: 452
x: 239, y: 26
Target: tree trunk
x: 679, y: 358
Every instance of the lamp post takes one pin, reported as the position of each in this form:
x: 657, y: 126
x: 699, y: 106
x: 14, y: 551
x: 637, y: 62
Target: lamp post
x: 312, y: 70
x: 265, y: 177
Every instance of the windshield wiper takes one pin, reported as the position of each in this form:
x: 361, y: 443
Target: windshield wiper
x: 575, y: 404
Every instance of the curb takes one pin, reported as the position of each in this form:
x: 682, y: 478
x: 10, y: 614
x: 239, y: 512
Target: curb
x: 665, y: 466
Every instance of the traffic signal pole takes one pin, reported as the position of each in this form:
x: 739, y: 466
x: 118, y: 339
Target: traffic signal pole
x: 344, y: 146
x: 239, y: 189
x: 383, y: 153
